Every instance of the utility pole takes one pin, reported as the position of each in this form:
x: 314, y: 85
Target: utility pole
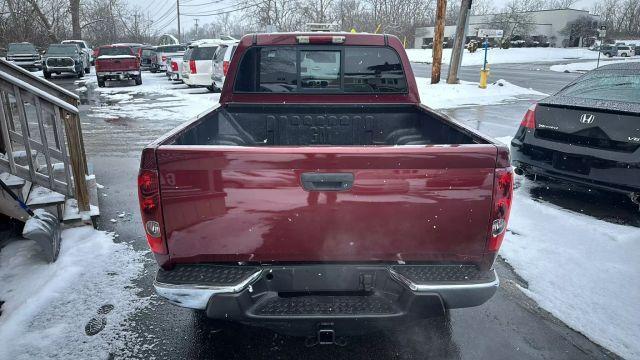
x: 196, y: 20
x: 135, y: 26
x: 438, y: 37
x: 178, y: 9
x: 458, y: 44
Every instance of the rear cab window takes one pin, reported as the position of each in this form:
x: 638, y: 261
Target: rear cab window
x: 111, y: 51
x: 320, y: 69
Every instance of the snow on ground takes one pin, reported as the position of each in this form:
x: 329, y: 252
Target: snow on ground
x: 583, y: 270
x: 504, y: 56
x: 581, y: 67
x: 48, y: 305
x: 170, y: 100
x: 444, y: 96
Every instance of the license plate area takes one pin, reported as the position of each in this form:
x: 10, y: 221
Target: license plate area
x: 570, y: 163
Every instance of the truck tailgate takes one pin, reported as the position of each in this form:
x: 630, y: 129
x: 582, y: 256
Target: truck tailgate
x: 116, y: 63
x: 409, y: 203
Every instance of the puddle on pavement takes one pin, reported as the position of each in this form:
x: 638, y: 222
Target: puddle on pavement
x: 120, y: 121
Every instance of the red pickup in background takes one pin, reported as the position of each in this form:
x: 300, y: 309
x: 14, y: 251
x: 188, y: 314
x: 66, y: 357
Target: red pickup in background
x: 117, y: 63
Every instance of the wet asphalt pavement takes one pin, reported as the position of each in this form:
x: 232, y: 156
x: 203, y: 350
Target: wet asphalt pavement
x: 510, y: 326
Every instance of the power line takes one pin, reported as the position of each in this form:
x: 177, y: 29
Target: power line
x: 167, y: 13
x: 203, y: 4
x: 222, y: 12
x: 168, y: 23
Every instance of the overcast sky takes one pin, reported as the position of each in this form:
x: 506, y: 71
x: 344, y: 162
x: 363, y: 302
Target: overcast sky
x: 164, y: 10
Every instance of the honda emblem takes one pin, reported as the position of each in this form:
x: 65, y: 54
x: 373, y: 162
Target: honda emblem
x: 586, y: 118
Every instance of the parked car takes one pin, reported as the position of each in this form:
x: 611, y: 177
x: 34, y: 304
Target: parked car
x: 220, y: 64
x: 159, y: 64
x: 196, y: 64
x: 148, y: 53
x: 587, y: 133
x: 117, y: 63
x: 174, y: 72
x: 626, y: 51
x: 24, y: 54
x: 86, y: 50
x: 609, y: 50
x: 64, y: 58
x: 296, y: 248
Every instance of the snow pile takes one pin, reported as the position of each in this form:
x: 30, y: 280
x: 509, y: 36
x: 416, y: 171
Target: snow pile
x: 444, y: 96
x: 582, y: 67
x: 504, y: 56
x: 582, y: 270
x: 47, y: 306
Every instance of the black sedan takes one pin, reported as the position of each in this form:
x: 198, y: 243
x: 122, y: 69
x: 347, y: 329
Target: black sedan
x: 587, y: 133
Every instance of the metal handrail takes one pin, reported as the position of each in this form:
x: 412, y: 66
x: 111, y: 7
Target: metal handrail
x: 67, y: 147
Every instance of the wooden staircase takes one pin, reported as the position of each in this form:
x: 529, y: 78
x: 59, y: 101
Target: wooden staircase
x: 42, y: 156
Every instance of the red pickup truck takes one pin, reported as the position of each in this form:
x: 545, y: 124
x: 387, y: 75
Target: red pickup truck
x: 117, y: 63
x: 321, y: 197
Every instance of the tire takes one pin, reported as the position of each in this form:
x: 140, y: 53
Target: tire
x: 624, y: 54
x: 47, y: 75
x: 211, y: 88
x: 153, y: 71
x: 138, y: 80
x: 87, y: 70
x: 101, y: 82
x: 81, y: 73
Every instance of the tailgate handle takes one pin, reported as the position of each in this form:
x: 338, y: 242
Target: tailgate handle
x: 313, y: 181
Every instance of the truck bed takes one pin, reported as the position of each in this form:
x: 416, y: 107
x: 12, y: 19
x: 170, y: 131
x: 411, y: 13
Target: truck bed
x: 274, y: 183
x: 299, y: 125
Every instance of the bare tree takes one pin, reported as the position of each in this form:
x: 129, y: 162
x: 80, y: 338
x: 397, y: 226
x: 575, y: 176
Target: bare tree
x: 513, y: 19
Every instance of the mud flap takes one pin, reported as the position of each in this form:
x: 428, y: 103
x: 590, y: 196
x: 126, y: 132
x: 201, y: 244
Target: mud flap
x: 44, y: 229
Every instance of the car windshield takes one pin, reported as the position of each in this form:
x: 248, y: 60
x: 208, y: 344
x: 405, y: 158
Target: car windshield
x: 119, y: 50
x: 21, y: 48
x: 614, y: 85
x: 79, y: 43
x: 171, y: 48
x: 62, y: 49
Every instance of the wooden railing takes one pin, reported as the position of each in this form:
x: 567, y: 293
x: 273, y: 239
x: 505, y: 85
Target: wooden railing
x: 40, y: 120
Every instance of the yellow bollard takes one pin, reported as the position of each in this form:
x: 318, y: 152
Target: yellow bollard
x: 484, y: 76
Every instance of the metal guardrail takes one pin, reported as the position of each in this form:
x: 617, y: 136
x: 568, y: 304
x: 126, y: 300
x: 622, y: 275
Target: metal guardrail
x: 42, y: 120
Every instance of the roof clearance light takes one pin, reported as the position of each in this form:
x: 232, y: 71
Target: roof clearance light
x: 324, y: 39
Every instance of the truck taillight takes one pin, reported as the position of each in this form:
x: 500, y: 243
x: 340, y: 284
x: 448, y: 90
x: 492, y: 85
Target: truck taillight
x: 149, y: 197
x: 502, y: 196
x: 225, y: 67
x: 529, y: 120
x: 320, y: 39
x: 174, y: 66
x: 192, y: 67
